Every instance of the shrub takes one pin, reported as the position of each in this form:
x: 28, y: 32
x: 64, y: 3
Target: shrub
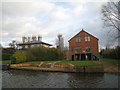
x: 19, y: 57
x: 111, y: 53
x: 6, y: 56
x: 45, y: 54
x: 37, y: 54
x: 13, y: 60
x: 7, y: 53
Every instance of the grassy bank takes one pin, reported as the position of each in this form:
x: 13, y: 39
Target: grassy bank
x: 77, y: 63
x: 114, y: 61
x: 5, y: 62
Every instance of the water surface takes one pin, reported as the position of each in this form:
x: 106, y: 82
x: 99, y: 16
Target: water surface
x: 37, y: 79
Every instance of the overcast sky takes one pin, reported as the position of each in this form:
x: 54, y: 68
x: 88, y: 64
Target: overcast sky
x: 49, y: 18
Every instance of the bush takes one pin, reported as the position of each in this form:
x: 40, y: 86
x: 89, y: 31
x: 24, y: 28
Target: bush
x: 7, y: 53
x: 13, y: 60
x: 111, y: 53
x: 45, y: 54
x: 6, y: 56
x: 37, y: 54
x: 19, y: 57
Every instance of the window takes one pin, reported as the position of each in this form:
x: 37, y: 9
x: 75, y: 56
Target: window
x: 71, y: 49
x: 78, y: 39
x: 86, y: 34
x: 87, y: 49
x: 78, y: 49
x: 26, y: 46
x: 87, y: 37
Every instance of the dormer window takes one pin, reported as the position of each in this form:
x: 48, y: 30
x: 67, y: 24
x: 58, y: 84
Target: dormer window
x: 87, y: 37
x: 78, y: 39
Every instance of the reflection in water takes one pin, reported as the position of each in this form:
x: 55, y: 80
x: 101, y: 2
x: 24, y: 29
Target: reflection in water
x: 86, y: 80
x: 37, y: 79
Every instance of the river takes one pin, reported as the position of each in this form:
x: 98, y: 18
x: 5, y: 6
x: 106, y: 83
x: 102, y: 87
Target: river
x: 37, y: 79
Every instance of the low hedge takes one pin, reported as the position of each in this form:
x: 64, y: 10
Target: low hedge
x: 45, y: 54
x: 6, y: 56
x: 37, y: 54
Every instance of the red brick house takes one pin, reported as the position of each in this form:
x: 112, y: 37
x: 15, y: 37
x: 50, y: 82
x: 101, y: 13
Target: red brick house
x: 83, y: 46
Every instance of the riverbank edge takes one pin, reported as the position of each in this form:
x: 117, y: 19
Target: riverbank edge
x: 59, y: 67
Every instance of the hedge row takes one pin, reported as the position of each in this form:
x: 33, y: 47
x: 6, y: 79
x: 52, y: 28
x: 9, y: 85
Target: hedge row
x: 6, y: 56
x: 7, y: 53
x: 37, y: 54
x: 111, y: 53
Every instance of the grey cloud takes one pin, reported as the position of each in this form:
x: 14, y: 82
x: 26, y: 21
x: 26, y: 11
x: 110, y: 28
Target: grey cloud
x: 29, y: 19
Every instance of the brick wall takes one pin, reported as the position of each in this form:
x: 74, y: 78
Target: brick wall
x: 93, y: 43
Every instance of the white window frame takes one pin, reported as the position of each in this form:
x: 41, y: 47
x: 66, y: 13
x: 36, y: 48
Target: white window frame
x: 87, y: 38
x: 78, y: 39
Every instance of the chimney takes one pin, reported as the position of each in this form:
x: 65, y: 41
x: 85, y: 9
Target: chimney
x: 28, y: 39
x: 23, y: 39
x: 33, y: 38
x: 39, y: 38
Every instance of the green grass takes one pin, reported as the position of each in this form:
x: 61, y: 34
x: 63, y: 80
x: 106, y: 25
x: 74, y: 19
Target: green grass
x: 115, y: 61
x: 76, y: 63
x: 41, y: 61
x: 5, y: 62
x: 80, y: 63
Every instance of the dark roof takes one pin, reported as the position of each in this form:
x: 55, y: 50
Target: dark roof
x: 85, y: 32
x: 9, y: 48
x: 36, y: 42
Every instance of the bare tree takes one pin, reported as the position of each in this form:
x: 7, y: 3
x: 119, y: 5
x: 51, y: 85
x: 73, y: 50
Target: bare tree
x: 13, y: 44
x: 0, y: 45
x: 111, y: 17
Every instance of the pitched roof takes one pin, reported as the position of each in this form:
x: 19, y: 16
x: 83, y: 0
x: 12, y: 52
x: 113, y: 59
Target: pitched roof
x: 85, y: 32
x: 29, y: 43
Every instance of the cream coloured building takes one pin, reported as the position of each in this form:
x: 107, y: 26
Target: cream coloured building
x: 34, y: 42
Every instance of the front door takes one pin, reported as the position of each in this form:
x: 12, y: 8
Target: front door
x: 72, y: 57
x: 86, y: 56
x: 83, y: 57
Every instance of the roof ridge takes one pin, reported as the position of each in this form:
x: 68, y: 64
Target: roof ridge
x: 81, y: 31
